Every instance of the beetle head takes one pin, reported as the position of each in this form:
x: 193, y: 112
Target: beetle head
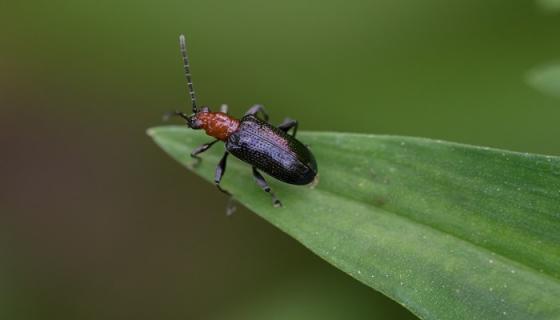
x: 195, y: 121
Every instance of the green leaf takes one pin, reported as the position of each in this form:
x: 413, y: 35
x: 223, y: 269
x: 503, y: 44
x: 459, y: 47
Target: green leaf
x: 546, y: 79
x: 450, y: 231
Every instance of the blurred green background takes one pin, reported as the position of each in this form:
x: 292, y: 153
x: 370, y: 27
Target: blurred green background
x: 98, y: 223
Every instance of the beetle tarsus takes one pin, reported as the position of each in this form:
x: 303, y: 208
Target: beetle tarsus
x: 288, y: 124
x: 222, y: 189
x: 230, y: 207
x: 166, y: 116
x: 264, y: 185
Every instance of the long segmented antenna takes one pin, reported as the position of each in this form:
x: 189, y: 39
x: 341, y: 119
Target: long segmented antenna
x: 183, y: 45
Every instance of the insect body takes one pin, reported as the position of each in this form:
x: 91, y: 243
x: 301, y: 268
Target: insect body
x: 253, y: 140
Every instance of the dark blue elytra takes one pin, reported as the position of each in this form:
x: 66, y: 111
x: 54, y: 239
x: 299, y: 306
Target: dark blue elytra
x: 273, y: 151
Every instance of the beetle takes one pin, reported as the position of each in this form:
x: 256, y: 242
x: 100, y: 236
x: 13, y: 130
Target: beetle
x: 271, y: 149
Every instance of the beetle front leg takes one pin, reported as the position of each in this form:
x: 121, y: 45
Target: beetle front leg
x: 220, y: 170
x: 201, y: 149
x: 170, y: 114
x: 262, y: 183
x: 289, y: 124
x: 256, y: 109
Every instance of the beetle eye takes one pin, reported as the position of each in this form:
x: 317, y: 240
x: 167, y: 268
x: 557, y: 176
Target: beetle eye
x: 194, y: 122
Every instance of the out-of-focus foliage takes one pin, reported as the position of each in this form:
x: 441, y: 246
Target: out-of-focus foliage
x: 546, y: 79
x: 549, y: 5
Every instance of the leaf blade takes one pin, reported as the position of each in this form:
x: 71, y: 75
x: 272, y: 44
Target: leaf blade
x: 448, y: 230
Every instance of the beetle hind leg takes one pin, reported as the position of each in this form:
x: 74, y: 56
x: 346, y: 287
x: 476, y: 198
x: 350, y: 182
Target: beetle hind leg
x: 262, y: 183
x: 256, y: 109
x: 288, y: 124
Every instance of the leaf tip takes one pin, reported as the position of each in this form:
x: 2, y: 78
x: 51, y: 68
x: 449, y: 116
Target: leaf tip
x: 151, y: 132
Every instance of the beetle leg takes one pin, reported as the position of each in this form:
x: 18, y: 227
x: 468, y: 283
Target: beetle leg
x: 224, y: 108
x: 289, y: 124
x: 220, y: 170
x: 262, y: 183
x: 201, y: 149
x: 230, y: 207
x: 170, y: 114
x: 255, y: 109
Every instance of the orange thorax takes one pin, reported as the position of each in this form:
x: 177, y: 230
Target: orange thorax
x: 217, y: 124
